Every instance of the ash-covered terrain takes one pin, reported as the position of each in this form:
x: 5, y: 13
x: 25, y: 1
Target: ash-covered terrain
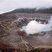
x: 12, y: 36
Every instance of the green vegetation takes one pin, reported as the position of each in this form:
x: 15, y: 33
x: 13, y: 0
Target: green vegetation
x: 32, y: 10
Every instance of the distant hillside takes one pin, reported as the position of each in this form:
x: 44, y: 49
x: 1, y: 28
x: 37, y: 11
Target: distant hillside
x: 27, y: 10
x: 46, y: 10
x: 30, y: 10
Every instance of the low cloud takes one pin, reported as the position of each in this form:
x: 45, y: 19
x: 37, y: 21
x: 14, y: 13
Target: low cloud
x: 9, y: 5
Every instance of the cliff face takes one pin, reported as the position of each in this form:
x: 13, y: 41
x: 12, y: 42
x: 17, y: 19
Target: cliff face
x: 12, y: 36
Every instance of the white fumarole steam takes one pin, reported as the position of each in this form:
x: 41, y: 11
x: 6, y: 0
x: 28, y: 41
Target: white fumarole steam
x: 35, y: 27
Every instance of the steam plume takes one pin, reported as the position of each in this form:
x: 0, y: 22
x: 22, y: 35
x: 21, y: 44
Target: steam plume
x: 35, y: 27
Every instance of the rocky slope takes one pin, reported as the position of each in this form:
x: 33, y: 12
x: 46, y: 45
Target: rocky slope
x: 12, y: 36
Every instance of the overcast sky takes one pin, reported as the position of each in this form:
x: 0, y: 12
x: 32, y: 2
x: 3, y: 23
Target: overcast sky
x: 8, y: 5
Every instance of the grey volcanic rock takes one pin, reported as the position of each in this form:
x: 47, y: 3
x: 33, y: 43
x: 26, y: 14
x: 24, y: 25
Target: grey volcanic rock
x: 11, y: 35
